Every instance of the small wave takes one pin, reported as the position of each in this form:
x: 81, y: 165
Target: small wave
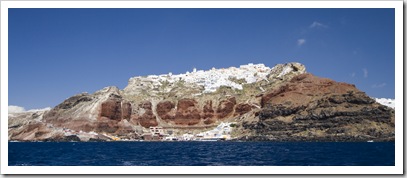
x: 127, y: 163
x: 22, y: 164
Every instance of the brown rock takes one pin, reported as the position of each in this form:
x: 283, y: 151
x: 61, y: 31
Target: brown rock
x: 111, y: 109
x: 242, y: 108
x: 225, y: 107
x: 116, y: 109
x: 107, y: 125
x: 187, y: 112
x: 301, y: 89
x: 208, y: 111
x: 185, y: 104
x: 147, y: 119
x: 164, y: 110
x: 126, y: 110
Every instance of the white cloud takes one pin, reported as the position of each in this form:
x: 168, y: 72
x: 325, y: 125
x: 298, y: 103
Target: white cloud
x: 365, y: 72
x: 300, y: 42
x: 43, y: 109
x: 18, y: 109
x: 15, y: 109
x: 353, y: 74
x: 381, y: 85
x: 316, y: 24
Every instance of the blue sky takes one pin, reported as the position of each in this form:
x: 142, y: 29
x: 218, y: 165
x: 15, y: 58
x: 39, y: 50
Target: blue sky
x: 57, y: 53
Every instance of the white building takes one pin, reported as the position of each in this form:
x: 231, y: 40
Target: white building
x: 222, y: 131
x: 212, y: 79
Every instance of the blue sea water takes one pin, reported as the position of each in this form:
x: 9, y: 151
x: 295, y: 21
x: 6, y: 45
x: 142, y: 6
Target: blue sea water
x: 201, y: 154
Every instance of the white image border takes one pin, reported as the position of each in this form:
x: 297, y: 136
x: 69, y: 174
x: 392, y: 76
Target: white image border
x: 397, y: 169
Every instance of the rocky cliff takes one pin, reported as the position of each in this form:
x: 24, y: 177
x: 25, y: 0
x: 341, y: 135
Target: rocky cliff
x: 279, y: 103
x: 312, y: 108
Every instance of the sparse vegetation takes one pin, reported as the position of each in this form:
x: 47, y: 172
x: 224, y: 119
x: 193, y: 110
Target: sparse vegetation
x: 180, y: 83
x: 238, y: 81
x: 164, y: 84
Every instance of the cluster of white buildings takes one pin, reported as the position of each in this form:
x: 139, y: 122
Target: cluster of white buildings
x: 212, y: 79
x: 221, y: 132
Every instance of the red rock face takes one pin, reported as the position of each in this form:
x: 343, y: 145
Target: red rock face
x: 165, y: 110
x: 208, y: 111
x: 111, y: 109
x: 147, y: 119
x: 115, y: 109
x: 187, y: 112
x: 126, y: 110
x: 225, y: 107
x: 242, y: 108
x: 303, y: 88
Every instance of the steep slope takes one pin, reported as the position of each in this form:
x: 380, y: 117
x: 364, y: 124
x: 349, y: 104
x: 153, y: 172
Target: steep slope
x: 28, y: 126
x: 312, y: 108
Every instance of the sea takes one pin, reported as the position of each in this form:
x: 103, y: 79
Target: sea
x: 201, y: 153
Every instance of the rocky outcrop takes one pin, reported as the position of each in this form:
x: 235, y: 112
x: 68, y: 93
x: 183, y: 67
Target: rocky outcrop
x: 310, y: 108
x: 100, y: 112
x: 208, y: 111
x: 34, y: 131
x: 190, y: 112
x: 115, y: 108
x: 145, y: 117
x: 225, y: 107
x: 187, y: 113
x: 242, y: 108
x: 166, y: 110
